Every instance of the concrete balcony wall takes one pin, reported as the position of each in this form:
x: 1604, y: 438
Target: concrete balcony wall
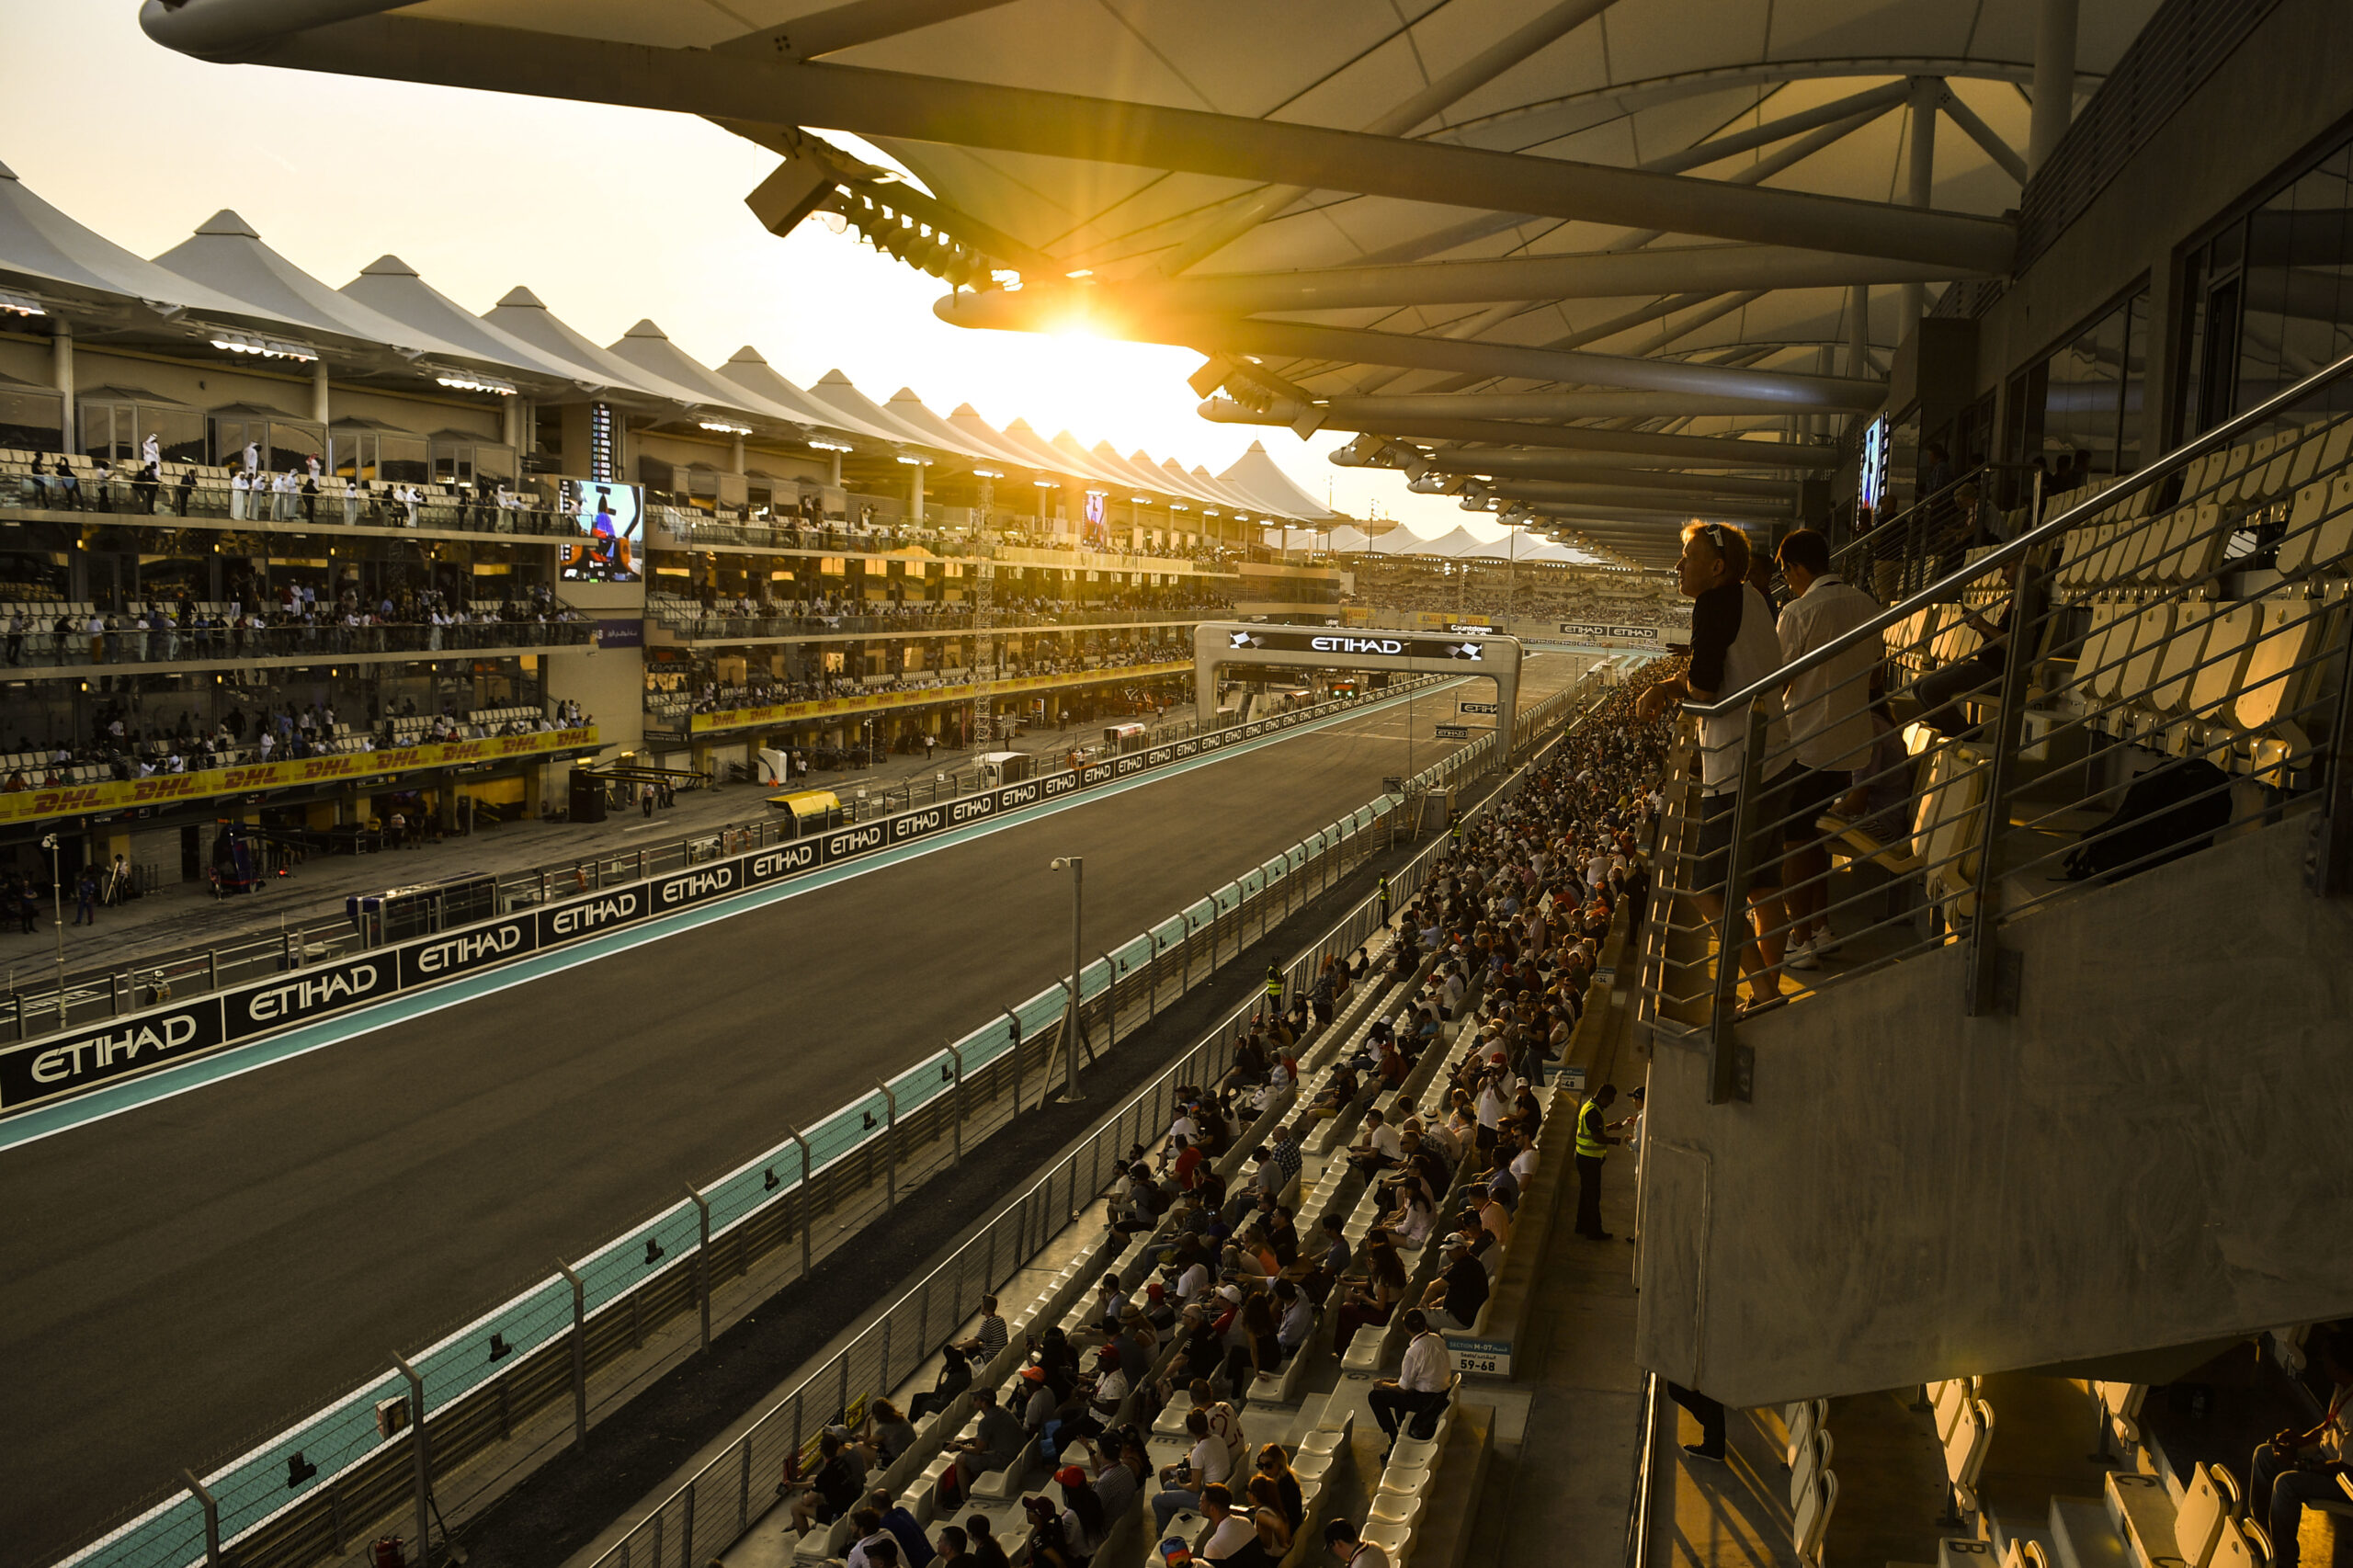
x: 2154, y: 1152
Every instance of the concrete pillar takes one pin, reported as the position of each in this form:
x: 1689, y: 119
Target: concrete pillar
x: 515, y: 423
x: 836, y: 479
x: 319, y: 392
x: 1928, y: 92
x: 916, y: 495
x: 1859, y: 330
x: 735, y: 454
x: 2054, y: 82
x: 62, y: 349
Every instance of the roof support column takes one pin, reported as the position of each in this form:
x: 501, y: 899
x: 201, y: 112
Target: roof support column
x: 319, y: 392
x: 1859, y: 332
x: 735, y: 456
x: 914, y: 485
x: 2054, y: 82
x: 1927, y: 95
x: 60, y: 350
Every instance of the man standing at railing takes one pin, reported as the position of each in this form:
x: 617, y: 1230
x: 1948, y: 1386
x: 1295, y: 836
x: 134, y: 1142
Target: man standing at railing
x: 1734, y: 646
x: 1830, y: 726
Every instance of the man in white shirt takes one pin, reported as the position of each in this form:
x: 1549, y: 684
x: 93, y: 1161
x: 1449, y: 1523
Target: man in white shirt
x: 1423, y: 1379
x: 1829, y: 709
x: 1229, y: 1531
x: 1207, y: 1464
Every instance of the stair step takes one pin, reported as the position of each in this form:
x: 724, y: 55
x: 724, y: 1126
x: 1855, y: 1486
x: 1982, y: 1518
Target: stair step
x: 2140, y: 1510
x: 2084, y: 1536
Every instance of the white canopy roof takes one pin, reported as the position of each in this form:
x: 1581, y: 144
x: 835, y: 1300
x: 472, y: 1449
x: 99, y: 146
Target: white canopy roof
x: 521, y: 313
x: 391, y: 288
x: 226, y: 254
x: 1257, y: 474
x: 44, y: 251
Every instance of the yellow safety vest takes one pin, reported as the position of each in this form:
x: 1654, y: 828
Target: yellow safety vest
x: 1590, y: 1132
x: 1274, y: 985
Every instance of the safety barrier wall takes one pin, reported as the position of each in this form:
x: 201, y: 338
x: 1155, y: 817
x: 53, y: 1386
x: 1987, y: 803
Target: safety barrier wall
x: 63, y: 1063
x: 315, y: 1489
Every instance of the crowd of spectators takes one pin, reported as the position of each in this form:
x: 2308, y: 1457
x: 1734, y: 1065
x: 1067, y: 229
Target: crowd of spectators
x: 1111, y: 652
x: 714, y: 614
x: 1540, y: 593
x: 291, y: 621
x: 127, y: 748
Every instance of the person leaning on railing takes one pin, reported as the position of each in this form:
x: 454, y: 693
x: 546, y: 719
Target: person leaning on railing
x: 1733, y: 646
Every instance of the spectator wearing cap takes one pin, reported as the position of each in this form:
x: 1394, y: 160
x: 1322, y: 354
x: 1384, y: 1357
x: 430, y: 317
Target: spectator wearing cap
x: 1037, y: 1401
x: 1049, y: 1544
x: 1455, y: 1297
x: 995, y: 1444
x: 1085, y: 1524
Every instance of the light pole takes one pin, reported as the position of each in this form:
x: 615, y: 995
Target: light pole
x: 57, y: 902
x: 1076, y: 865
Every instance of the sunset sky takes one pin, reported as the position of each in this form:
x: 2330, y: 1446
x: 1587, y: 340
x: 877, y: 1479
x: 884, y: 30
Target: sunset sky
x: 608, y: 215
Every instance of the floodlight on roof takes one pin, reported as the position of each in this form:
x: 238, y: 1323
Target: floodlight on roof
x: 1139, y: 500
x: 987, y: 474
x: 232, y: 342
x: 915, y: 462
x: 472, y: 381
x: 725, y: 427
x: 1047, y: 483
x: 20, y: 305
x: 1178, y: 506
x: 824, y: 446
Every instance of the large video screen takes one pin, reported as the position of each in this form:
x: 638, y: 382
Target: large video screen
x: 610, y: 520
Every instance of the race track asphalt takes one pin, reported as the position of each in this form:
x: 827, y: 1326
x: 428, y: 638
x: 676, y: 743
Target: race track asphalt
x: 194, y: 1275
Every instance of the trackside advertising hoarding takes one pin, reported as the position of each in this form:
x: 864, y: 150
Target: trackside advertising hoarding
x: 104, y: 1051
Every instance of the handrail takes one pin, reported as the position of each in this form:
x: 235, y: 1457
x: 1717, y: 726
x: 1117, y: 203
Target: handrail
x: 2001, y: 555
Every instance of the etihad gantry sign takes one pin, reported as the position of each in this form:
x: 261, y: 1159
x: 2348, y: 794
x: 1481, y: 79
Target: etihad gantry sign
x: 1457, y: 652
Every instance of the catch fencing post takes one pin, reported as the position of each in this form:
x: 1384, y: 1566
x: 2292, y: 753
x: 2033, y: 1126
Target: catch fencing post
x: 1016, y: 1020
x: 702, y: 1257
x: 1110, y: 1003
x: 1152, y: 976
x: 579, y: 1356
x: 958, y: 1094
x: 889, y: 1145
x: 808, y: 1215
x: 424, y: 1460
x: 212, y: 1518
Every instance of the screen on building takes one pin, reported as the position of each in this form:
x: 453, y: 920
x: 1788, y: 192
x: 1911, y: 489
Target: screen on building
x: 608, y: 522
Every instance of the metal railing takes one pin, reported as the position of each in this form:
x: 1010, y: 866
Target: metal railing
x: 46, y: 647
x: 539, y: 1350
x: 2159, y: 665
x: 696, y: 624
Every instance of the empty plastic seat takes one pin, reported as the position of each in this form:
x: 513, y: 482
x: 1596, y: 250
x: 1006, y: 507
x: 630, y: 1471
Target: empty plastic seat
x: 2230, y: 639
x: 1811, y: 1519
x: 1965, y: 1451
x: 2209, y: 1502
x: 2280, y: 664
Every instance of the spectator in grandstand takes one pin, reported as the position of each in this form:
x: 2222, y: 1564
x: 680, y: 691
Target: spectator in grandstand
x: 1422, y: 1382
x: 881, y: 1552
x: 1734, y: 646
x: 2300, y: 1468
x: 986, y: 1550
x: 1206, y: 1463
x: 1230, y: 1532
x: 915, y: 1548
x: 1455, y: 1297
x: 1343, y: 1546
x: 821, y: 1499
x: 885, y: 1435
x: 1121, y: 1475
x: 995, y: 1444
x: 1829, y: 716
x: 1377, y: 1297
x: 955, y: 1377
x: 990, y: 1337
